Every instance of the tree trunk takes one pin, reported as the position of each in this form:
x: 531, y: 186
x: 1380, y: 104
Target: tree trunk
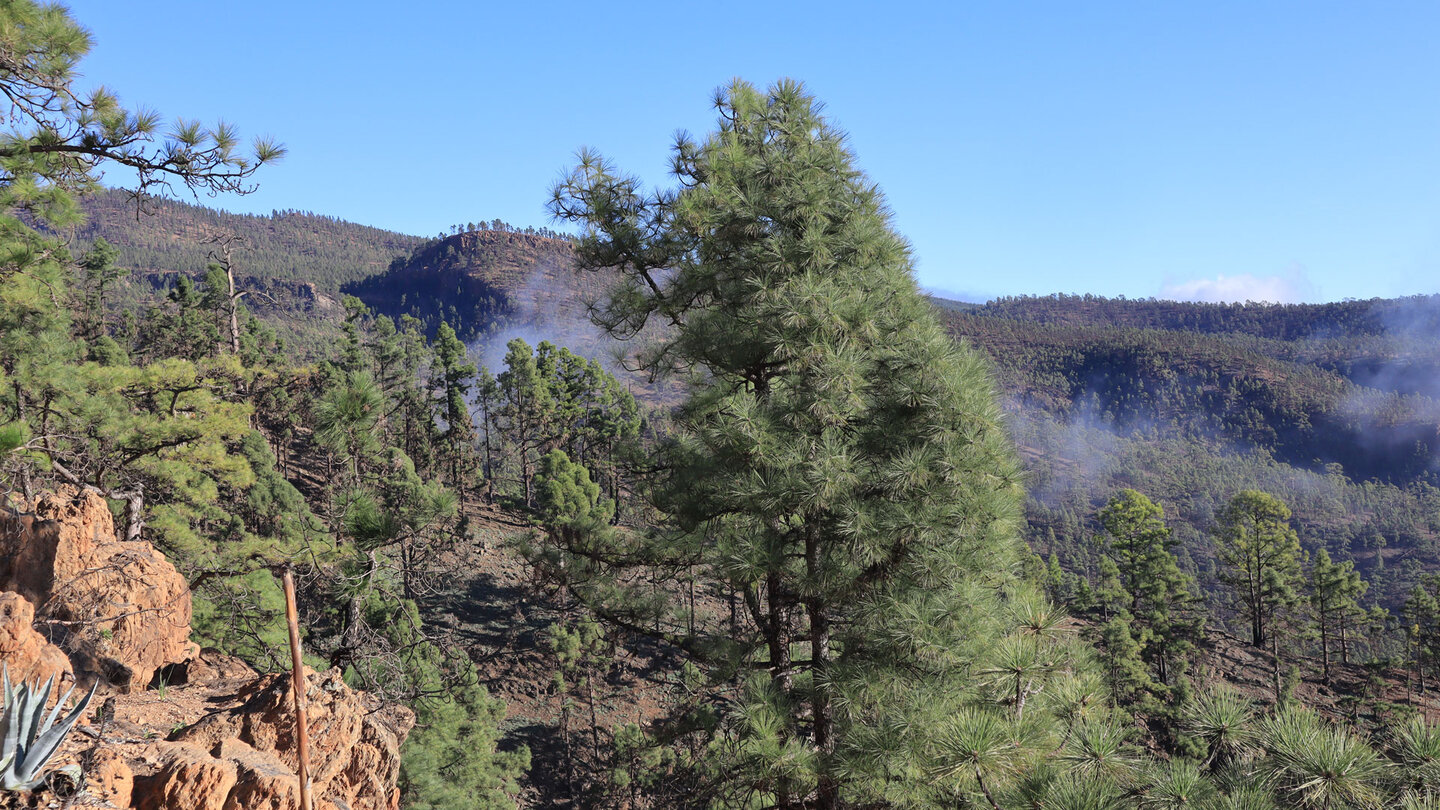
x: 827, y: 790
x: 233, y: 306
x: 1344, y: 642
x: 134, y: 512
x: 777, y: 639
x: 1275, y: 659
x: 1324, y: 648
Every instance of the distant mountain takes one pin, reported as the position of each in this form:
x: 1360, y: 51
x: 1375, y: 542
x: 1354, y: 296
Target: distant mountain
x: 1344, y: 319
x: 481, y: 281
x: 494, y: 285
x: 174, y: 237
x: 1333, y: 407
x: 1371, y: 412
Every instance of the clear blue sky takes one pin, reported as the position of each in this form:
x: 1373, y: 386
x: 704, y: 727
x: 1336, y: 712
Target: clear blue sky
x: 1280, y: 150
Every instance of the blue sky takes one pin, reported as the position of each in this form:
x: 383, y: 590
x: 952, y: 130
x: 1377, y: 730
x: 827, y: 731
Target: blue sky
x: 1232, y: 150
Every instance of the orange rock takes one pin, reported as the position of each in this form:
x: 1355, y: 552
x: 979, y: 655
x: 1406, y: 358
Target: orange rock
x: 212, y: 665
x: 129, y: 608
x: 109, y: 778
x: 49, y: 545
x: 189, y: 778
x: 264, y: 783
x: 354, y: 747
x: 27, y: 655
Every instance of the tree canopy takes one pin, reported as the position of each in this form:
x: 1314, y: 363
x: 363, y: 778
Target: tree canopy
x: 840, y: 464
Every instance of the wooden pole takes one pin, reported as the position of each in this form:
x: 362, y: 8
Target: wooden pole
x: 302, y: 727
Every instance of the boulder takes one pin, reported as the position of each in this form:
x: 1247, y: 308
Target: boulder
x: 109, y: 778
x: 26, y: 654
x: 264, y: 782
x: 354, y: 747
x: 124, y: 606
x: 188, y: 777
x: 50, y: 543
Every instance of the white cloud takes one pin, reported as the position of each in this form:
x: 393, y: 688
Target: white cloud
x: 1292, y: 287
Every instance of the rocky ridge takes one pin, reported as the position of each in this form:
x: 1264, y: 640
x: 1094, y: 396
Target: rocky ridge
x: 78, y: 605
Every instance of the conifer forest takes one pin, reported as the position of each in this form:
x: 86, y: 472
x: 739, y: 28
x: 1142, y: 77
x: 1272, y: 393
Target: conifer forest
x: 690, y: 498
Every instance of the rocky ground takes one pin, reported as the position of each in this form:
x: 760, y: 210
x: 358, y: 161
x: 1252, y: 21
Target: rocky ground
x: 211, y: 734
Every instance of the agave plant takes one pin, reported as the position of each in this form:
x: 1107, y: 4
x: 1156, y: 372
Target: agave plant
x: 29, y: 736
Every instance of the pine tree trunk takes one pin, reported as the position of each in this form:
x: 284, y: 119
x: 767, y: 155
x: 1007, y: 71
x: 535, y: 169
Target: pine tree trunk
x: 828, y: 791
x: 1275, y: 659
x: 778, y: 642
x: 233, y: 304
x: 1324, y: 648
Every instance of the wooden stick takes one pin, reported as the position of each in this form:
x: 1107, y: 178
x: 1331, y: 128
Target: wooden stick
x: 302, y: 727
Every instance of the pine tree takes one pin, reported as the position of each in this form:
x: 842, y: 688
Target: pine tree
x: 454, y: 376
x: 840, y: 462
x: 1262, y: 556
x: 1160, y: 594
x: 525, y: 410
x: 1334, y: 589
x: 1422, y: 627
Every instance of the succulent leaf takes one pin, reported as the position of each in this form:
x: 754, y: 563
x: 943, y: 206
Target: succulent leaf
x: 29, y: 736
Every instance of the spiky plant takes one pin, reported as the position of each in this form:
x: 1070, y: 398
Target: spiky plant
x: 1017, y: 665
x: 1175, y: 785
x: 1312, y: 765
x: 29, y: 736
x: 1220, y: 717
x: 1415, y: 745
x: 1031, y: 790
x: 1075, y: 697
x: 977, y: 746
x: 1419, y: 800
x: 1247, y: 797
x: 1081, y: 792
x: 1036, y: 616
x: 1097, y: 750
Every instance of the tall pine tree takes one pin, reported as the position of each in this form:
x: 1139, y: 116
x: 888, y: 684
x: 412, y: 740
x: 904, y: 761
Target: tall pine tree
x: 840, y: 462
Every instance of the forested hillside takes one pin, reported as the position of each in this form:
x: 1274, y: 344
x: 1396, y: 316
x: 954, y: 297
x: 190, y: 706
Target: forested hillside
x: 866, y: 552
x: 1191, y: 402
x: 1330, y: 405
x: 172, y: 236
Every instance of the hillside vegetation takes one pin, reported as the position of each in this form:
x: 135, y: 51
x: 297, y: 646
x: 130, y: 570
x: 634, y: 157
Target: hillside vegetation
x: 800, y: 579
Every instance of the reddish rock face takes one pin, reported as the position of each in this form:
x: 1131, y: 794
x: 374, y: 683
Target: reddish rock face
x: 110, y: 778
x: 188, y: 778
x: 125, y: 613
x: 354, y: 750
x: 26, y: 654
x: 49, y: 544
x: 124, y: 606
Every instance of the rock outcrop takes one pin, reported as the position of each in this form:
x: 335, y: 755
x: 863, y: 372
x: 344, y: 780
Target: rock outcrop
x: 27, y: 655
x: 251, y: 760
x: 120, y: 612
x: 120, y: 608
x: 109, y: 777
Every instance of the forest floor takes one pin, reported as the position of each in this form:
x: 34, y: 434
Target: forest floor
x: 502, y: 614
x: 1368, y: 695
